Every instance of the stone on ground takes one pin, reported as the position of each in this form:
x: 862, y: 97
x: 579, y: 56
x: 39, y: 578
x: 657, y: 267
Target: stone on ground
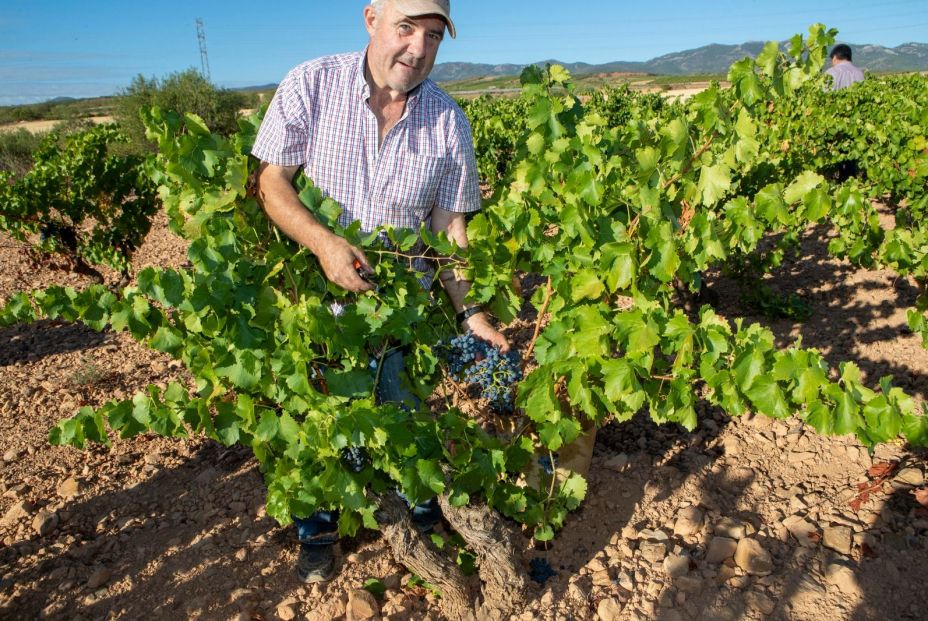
x: 751, y: 556
x: 99, y: 578
x: 843, y: 577
x: 689, y: 522
x: 804, y: 532
x: 721, y: 548
x: 838, y: 538
x: 362, y: 605
x: 609, y: 609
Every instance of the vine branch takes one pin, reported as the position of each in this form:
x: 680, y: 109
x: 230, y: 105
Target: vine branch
x: 541, y: 314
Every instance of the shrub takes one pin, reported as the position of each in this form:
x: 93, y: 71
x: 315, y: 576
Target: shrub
x: 185, y: 91
x: 17, y: 149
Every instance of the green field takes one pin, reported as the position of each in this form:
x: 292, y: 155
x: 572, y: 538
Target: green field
x: 505, y: 84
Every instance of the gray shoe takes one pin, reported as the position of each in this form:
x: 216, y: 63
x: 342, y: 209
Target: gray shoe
x: 315, y: 564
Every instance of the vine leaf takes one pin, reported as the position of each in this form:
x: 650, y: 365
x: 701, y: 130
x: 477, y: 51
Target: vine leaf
x: 714, y: 182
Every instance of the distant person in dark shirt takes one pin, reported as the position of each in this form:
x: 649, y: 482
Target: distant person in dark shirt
x: 842, y: 71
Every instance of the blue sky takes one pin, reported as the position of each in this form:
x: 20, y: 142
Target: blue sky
x: 51, y: 48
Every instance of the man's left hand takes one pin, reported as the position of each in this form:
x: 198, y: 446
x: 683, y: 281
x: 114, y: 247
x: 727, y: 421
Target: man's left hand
x: 482, y: 329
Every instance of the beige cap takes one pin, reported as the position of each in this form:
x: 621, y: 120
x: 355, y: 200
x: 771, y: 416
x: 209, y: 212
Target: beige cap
x: 416, y: 8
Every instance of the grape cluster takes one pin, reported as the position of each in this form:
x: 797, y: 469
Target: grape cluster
x: 476, y: 362
x: 355, y: 458
x: 540, y: 570
x: 546, y: 464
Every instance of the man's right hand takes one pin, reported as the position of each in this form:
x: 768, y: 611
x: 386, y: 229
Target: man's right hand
x: 338, y: 259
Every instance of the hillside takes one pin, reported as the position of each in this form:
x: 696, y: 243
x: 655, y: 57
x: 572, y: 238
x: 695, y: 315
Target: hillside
x: 709, y: 59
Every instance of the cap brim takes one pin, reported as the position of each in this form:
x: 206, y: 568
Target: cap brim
x: 420, y: 8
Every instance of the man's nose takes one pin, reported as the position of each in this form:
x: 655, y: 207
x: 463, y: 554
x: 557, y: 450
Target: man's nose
x: 418, y: 44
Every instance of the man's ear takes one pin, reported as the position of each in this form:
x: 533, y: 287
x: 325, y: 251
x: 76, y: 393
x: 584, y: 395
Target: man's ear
x: 370, y: 19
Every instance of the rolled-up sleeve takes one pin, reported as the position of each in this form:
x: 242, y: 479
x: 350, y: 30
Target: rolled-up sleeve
x: 284, y: 133
x: 459, y: 189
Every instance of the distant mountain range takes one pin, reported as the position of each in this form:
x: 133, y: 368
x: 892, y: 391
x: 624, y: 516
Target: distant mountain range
x: 711, y: 59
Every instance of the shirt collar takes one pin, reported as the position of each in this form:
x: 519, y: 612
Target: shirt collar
x: 364, y: 89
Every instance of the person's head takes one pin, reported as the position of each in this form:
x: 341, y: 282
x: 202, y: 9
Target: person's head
x: 405, y: 35
x: 840, y: 53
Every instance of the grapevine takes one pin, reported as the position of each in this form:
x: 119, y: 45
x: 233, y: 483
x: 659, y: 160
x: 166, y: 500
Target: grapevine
x: 617, y: 203
x: 75, y: 184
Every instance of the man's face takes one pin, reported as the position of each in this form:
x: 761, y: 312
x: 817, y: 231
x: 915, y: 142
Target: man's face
x: 403, y: 49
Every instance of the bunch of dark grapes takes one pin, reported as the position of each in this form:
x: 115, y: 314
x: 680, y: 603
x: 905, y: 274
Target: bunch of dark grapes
x: 460, y: 352
x: 540, y: 570
x: 476, y: 362
x: 355, y: 458
x: 546, y: 464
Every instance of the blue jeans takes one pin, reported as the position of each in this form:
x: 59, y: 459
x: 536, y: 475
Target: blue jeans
x: 321, y: 528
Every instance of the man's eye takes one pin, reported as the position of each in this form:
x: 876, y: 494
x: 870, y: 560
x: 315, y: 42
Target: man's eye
x: 404, y: 28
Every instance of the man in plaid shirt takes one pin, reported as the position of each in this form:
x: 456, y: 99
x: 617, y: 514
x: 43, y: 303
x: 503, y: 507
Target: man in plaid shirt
x: 391, y: 148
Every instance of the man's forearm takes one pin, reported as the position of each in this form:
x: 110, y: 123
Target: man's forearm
x: 283, y: 207
x: 475, y: 321
x: 338, y: 258
x: 455, y: 227
x: 456, y: 288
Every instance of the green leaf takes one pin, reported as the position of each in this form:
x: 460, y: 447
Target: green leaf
x: 586, y: 285
x: 846, y: 413
x: 544, y: 533
x: 883, y: 422
x: 168, y: 340
x: 557, y: 434
x: 289, y: 429
x: 648, y: 158
x: 354, y: 383
x: 767, y: 397
x: 227, y: 426
x: 664, y: 259
x: 746, y: 82
x: 809, y: 384
x: 375, y: 587
x: 749, y: 369
x: 573, y: 491
x: 619, y: 260
x: 196, y: 125
x: 767, y: 59
x: 535, y: 143
x: 676, y: 132
x: 770, y: 206
x: 619, y: 379
x: 431, y: 475
x: 242, y: 368
x: 803, y: 184
x: 817, y: 204
x: 267, y: 427
x: 747, y: 146
x: 714, y: 182
x: 536, y: 394
x: 915, y: 429
x: 820, y: 418
x: 641, y: 333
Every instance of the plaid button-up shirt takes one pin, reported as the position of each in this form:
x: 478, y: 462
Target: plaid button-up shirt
x: 320, y: 119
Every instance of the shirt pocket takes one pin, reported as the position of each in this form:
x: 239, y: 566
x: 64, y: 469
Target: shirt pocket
x: 412, y: 191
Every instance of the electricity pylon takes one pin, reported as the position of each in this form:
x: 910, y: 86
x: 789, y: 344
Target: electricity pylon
x: 204, y: 59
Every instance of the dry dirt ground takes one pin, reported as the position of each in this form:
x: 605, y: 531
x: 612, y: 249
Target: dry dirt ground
x: 744, y: 519
x: 47, y: 125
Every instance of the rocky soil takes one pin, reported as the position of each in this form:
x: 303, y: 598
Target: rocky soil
x: 744, y: 519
